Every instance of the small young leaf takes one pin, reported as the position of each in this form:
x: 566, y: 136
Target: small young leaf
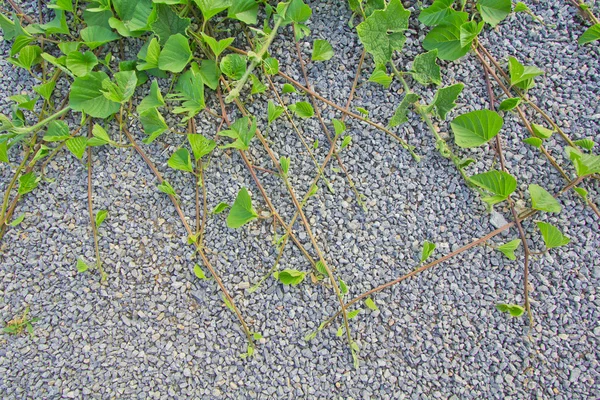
x: 586, y: 143
x: 346, y: 141
x: 585, y: 164
x: 77, y: 146
x: 552, y: 236
x: 154, y: 99
x: 515, y: 310
x: 541, y: 131
x: 199, y: 273
x: 222, y: 206
x: 201, y: 146
x: 590, y: 35
x: 380, y: 76
x: 322, y: 50
x: 17, y: 220
x: 166, y: 188
x: 45, y: 90
x: 509, y: 104
x: 100, y: 217
x: 354, y: 313
x: 320, y: 266
x: 58, y: 131
x: 371, y: 304
x: 533, y: 141
x: 285, y: 164
x: 153, y: 124
x: 542, y: 200
x: 445, y: 99
x: 273, y: 111
x: 499, y: 183
x: 401, y: 114
x: 241, y: 132
x: 271, y: 66
x: 82, y: 265
x: 520, y: 75
x: 287, y: 88
x: 340, y: 332
x: 241, y: 211
x: 582, y: 192
x: 181, y: 160
x: 234, y: 66
x: 27, y: 183
x: 476, y: 128
x: 469, y: 31
x: 521, y: 7
x: 217, y: 46
x: 428, y: 249
x: 343, y: 287
x: 290, y: 276
x: 302, y: 109
x: 508, y: 249
x: 257, y: 86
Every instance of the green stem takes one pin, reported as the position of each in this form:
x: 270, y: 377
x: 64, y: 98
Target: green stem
x: 42, y: 123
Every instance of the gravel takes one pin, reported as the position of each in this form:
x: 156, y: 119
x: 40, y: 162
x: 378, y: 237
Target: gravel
x: 154, y: 331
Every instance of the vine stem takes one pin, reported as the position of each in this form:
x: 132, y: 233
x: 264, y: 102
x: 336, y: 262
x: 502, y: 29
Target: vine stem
x: 511, y: 204
x: 43, y: 122
x: 189, y: 231
x: 90, y: 193
x: 586, y: 11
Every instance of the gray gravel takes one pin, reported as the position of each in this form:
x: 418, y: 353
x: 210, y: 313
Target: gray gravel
x: 154, y: 331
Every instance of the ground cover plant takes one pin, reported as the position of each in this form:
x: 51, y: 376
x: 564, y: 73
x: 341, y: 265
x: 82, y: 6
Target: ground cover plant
x: 212, y: 58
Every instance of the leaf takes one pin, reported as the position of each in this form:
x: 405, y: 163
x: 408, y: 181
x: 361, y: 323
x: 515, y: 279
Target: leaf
x: 582, y: 192
x: 590, y: 35
x: 371, y: 304
x: 343, y: 287
x: 302, y: 109
x: 290, y: 276
x: 244, y: 10
x: 542, y: 200
x: 210, y: 73
x: 551, y: 235
x: 500, y: 183
x: 181, y: 160
x: 436, y: 13
x: 346, y: 142
x: 446, y: 38
x: 476, y: 127
x: 189, y: 90
x: 153, y: 124
x: 241, y: 132
x: 382, y: 32
x: 234, y: 66
x: 241, y: 211
x: 87, y: 96
x: 445, y: 98
x: 271, y: 66
x: 533, y: 141
x: 81, y: 64
x: 257, y: 85
x: 339, y: 332
x: 45, y: 90
x: 585, y: 164
x: 77, y: 146
x: 354, y: 313
x: 494, y: 11
x: 122, y: 89
x: 210, y: 8
x: 514, y: 310
x: 201, y: 146
x: 27, y: 183
x: 199, y: 273
x: 29, y: 56
x: 58, y: 131
x: 287, y: 88
x: 175, y: 55
x: 586, y: 143
x: 469, y: 31
x: 100, y: 217
x: 154, y: 99
x: 520, y: 74
x: 222, y: 206
x: 150, y: 54
x: 284, y: 163
x: 166, y: 188
x: 380, y: 76
x: 338, y: 126
x: 509, y: 104
x: 297, y: 12
x: 322, y: 50
x: 167, y: 23
x: 217, y: 46
x: 17, y: 221
x: 541, y: 131
x: 425, y: 69
x: 428, y: 249
x: 134, y: 16
x: 508, y: 249
x: 8, y: 27
x: 521, y: 7
x: 401, y: 114
x: 82, y: 265
x: 273, y: 111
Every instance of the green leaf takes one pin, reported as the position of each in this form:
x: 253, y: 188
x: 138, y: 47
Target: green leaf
x: 363, y: 111
x: 87, y: 96
x: 382, y: 32
x: 354, y: 313
x: 181, y: 160
x: 297, y: 12
x: 29, y: 56
x: 210, y: 73
x: 82, y: 265
x: 520, y: 75
x: 514, y: 310
x: 321, y: 268
x: 533, y: 141
x: 166, y: 188
x: 499, y: 183
x: 199, y: 273
x: 150, y: 54
x: 167, y: 23
x: 586, y: 143
x: 122, y: 89
x: 343, y: 287
x: 542, y: 200
x: 100, y: 217
x: 287, y: 88
x: 585, y: 164
x: 428, y: 249
x: 27, y: 183
x: 257, y: 85
x: 271, y: 66
x: 217, y: 46
x: 4, y: 152
x: 521, y: 7
x: 582, y: 192
x: 436, y: 13
x: 8, y: 27
x: 153, y: 124
x: 371, y: 304
x: 338, y: 126
x: 445, y: 99
x: 210, y: 8
x: 302, y: 109
x: 508, y: 249
x: 541, y: 131
x: 222, y: 206
x: 17, y: 221
x: 339, y: 332
x: 45, y: 90
x: 380, y: 76
x: 244, y: 10
x: 134, y: 17
x: 290, y: 276
x: 469, y: 31
x: 425, y: 69
x: 509, y: 104
x: 58, y: 131
x: 551, y: 235
x: 241, y: 211
x: 494, y: 11
x: 175, y: 55
x: 590, y: 35
x: 241, y: 132
x: 273, y: 111
x: 401, y: 114
x: 476, y: 127
x: 154, y: 99
x: 77, y: 146
x: 446, y: 38
x: 346, y: 142
x: 189, y: 90
x: 322, y: 50
x: 234, y: 66
x: 201, y: 146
